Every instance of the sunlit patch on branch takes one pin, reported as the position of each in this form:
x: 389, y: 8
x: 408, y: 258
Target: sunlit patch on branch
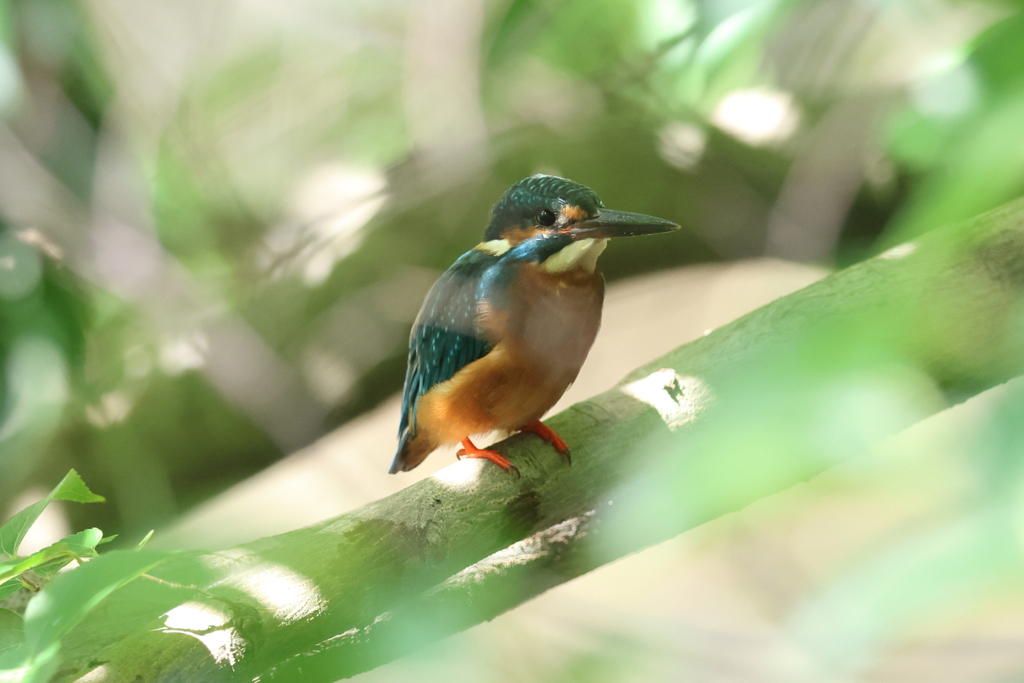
x: 677, y: 398
x: 209, y: 626
x: 97, y: 675
x: 289, y: 596
x: 461, y: 475
x: 899, y: 251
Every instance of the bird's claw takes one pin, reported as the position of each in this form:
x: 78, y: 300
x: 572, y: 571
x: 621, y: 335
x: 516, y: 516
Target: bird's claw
x: 468, y: 450
x: 543, y: 431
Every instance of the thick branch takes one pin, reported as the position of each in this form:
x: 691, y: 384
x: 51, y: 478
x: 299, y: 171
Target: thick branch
x: 709, y: 428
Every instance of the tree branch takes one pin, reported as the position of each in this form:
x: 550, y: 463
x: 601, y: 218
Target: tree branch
x: 765, y: 402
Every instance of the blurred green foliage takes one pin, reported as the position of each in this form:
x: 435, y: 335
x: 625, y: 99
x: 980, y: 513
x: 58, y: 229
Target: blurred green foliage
x: 30, y: 634
x: 219, y: 219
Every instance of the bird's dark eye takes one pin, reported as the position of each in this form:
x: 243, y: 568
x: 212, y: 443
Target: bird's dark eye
x: 546, y: 217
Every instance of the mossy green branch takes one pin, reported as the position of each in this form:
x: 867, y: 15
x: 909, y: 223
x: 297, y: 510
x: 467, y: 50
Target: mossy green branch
x: 758, y: 405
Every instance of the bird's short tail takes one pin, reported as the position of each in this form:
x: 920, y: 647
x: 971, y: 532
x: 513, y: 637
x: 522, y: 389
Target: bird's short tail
x: 411, y: 452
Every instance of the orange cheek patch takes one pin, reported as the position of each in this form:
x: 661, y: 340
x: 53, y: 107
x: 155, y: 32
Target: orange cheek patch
x: 573, y: 213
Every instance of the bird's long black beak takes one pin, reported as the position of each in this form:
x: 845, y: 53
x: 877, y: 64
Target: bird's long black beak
x: 609, y: 223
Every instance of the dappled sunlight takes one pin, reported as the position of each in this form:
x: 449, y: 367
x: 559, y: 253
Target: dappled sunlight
x: 97, y: 675
x: 218, y: 223
x: 288, y: 595
x: 462, y: 475
x: 677, y: 398
x: 899, y: 251
x: 209, y: 626
x: 758, y: 116
x: 224, y: 560
x: 682, y: 144
x: 110, y: 409
x: 184, y: 352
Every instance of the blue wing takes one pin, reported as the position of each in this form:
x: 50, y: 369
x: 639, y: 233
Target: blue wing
x: 445, y: 337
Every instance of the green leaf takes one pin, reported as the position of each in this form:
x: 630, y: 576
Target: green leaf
x: 54, y: 553
x: 13, y: 532
x: 997, y: 55
x: 12, y: 630
x: 15, y: 568
x: 44, y: 665
x: 74, y: 547
x: 69, y: 597
x: 8, y: 588
x: 71, y: 488
x: 84, y: 542
x: 50, y: 559
x: 145, y: 540
x: 17, y: 667
x: 48, y: 570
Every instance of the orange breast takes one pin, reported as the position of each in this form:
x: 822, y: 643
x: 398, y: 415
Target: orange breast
x: 541, y: 341
x: 553, y: 317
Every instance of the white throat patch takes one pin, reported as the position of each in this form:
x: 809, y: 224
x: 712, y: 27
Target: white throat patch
x: 582, y: 253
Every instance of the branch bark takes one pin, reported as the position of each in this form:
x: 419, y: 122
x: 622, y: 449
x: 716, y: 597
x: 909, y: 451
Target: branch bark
x: 765, y: 402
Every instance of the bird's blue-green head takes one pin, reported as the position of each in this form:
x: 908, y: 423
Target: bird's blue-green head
x: 539, y: 202
x: 559, y: 215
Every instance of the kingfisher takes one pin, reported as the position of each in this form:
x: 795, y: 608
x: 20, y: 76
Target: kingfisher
x: 504, y: 331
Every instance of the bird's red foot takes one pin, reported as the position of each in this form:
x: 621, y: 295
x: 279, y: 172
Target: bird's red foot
x: 545, y: 432
x: 468, y: 450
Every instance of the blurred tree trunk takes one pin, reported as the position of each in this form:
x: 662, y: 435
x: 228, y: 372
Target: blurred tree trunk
x: 741, y: 413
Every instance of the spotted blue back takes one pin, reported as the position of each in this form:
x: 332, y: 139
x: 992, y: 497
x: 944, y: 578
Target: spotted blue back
x: 445, y: 337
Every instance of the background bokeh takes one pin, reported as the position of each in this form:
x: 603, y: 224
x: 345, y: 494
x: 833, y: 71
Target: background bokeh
x: 219, y: 217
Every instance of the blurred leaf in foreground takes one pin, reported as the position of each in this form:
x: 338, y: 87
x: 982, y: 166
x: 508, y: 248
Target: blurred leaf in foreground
x: 71, y: 488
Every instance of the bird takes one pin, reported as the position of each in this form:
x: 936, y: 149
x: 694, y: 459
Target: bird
x: 504, y: 331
